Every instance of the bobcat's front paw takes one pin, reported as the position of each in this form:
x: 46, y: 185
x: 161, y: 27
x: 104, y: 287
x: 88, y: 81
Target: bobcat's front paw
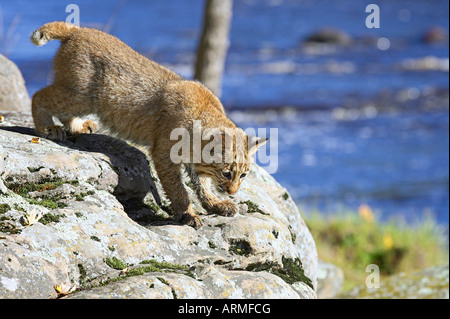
x: 189, y: 218
x: 89, y: 127
x: 55, y: 133
x: 225, y: 208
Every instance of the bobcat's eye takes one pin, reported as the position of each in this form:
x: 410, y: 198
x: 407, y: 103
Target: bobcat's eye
x: 243, y: 175
x: 226, y: 174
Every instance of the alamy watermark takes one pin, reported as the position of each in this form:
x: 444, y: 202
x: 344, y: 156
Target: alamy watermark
x: 373, y: 19
x: 74, y: 16
x: 228, y: 145
x: 373, y: 280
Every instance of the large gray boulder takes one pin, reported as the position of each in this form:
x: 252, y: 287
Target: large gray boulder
x: 13, y: 93
x: 103, y: 231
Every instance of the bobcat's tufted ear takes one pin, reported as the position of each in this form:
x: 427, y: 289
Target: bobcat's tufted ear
x: 254, y: 143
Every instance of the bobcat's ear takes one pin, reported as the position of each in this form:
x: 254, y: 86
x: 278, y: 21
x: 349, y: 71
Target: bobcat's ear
x: 254, y: 143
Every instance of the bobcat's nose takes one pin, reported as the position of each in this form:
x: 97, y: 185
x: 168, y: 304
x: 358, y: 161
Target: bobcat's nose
x: 232, y: 190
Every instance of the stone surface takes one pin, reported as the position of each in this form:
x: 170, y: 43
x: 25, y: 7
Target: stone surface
x: 13, y: 93
x: 99, y: 203
x: 330, y: 280
x: 431, y: 283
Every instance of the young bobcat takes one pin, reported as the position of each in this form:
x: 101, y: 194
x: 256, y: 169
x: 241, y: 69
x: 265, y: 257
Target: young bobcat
x: 139, y: 100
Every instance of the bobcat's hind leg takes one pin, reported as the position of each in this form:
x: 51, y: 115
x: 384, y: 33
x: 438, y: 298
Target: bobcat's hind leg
x: 43, y: 107
x: 48, y: 102
x: 56, y: 101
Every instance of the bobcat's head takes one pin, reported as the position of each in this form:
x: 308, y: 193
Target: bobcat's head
x: 230, y: 158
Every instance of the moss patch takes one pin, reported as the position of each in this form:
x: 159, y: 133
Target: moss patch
x: 80, y: 197
x: 50, y: 202
x: 240, y: 247
x: 19, y: 208
x: 5, y: 222
x: 293, y: 235
x: 8, y: 228
x: 211, y: 244
x: 165, y: 282
x: 267, y: 266
x: 4, y: 208
x: 79, y: 215
x: 83, y: 273
x: 145, y: 266
x: 51, y: 218
x: 253, y: 207
x: 95, y: 238
x: 291, y: 272
x: 115, y: 263
x: 34, y: 169
x: 165, y: 265
x: 6, y: 225
x: 154, y: 266
x: 49, y: 184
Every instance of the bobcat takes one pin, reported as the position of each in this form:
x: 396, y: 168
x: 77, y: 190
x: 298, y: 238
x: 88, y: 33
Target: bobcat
x: 142, y: 101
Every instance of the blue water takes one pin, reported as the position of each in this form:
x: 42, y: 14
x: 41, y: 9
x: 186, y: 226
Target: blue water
x: 394, y: 158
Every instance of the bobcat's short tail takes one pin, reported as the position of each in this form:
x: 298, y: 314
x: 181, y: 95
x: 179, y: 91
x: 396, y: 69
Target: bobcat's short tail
x: 54, y: 30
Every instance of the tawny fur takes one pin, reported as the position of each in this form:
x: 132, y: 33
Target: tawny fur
x: 138, y: 100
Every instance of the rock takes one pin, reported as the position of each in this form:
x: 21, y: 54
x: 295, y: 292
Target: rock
x: 13, y: 93
x: 435, y: 35
x: 100, y: 216
x: 330, y: 280
x: 329, y: 36
x: 431, y: 283
x: 325, y: 42
x: 210, y: 283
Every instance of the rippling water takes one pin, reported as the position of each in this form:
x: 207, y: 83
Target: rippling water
x: 368, y: 123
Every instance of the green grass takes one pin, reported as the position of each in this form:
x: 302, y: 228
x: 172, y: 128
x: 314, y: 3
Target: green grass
x: 353, y: 240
